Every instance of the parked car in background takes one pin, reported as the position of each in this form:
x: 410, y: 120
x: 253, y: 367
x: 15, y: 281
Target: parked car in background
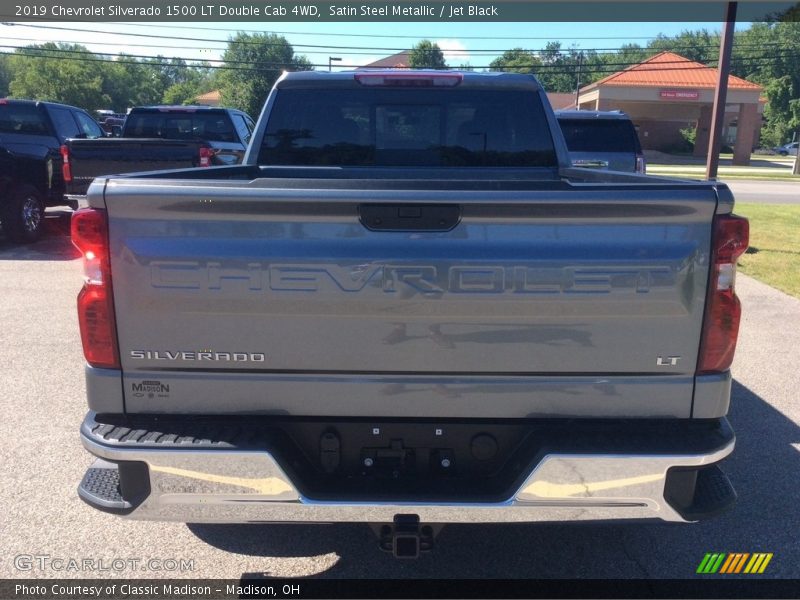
x: 32, y: 135
x: 112, y: 125
x: 787, y: 149
x: 108, y: 119
x: 154, y: 138
x: 602, y: 140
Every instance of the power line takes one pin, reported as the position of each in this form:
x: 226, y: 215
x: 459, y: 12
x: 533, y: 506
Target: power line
x: 99, y: 55
x: 279, y: 65
x: 346, y: 48
x: 151, y: 64
x: 779, y: 54
x: 466, y: 53
x: 358, y: 35
x: 388, y: 36
x: 600, y: 68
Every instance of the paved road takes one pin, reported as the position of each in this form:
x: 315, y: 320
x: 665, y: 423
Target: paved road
x: 42, y: 462
x: 766, y: 192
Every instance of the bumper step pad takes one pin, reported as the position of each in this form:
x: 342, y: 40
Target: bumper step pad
x: 713, y: 495
x: 115, y: 488
x: 100, y: 488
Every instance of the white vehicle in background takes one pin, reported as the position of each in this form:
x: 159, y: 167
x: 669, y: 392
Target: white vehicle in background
x: 787, y: 149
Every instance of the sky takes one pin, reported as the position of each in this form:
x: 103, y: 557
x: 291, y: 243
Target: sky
x: 358, y: 43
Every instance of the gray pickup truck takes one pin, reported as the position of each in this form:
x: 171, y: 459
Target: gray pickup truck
x: 407, y: 308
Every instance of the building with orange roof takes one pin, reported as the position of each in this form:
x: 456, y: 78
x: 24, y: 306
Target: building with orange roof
x: 400, y: 60
x: 668, y: 92
x: 561, y: 101
x: 209, y: 99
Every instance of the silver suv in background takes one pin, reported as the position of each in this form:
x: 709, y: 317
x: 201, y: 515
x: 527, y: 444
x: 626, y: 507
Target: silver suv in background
x: 787, y: 149
x: 602, y: 140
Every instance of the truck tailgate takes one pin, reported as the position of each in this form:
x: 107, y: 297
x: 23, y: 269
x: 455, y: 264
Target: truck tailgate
x: 110, y: 156
x: 273, y: 296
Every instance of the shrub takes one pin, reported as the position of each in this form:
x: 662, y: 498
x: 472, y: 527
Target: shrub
x: 689, y: 135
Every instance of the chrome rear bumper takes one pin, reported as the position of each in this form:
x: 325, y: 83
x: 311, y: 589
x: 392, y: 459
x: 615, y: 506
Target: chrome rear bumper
x: 238, y: 486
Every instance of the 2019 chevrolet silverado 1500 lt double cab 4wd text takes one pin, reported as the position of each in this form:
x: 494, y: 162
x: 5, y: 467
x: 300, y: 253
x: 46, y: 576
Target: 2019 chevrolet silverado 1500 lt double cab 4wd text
x: 407, y: 307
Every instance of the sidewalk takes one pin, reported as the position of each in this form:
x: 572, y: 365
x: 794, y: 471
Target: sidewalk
x: 768, y: 339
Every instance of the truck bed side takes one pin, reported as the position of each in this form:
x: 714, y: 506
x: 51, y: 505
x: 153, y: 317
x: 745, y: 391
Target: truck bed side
x: 112, y: 156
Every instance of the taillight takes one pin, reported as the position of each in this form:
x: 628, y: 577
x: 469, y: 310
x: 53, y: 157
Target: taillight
x: 95, y: 301
x: 641, y: 164
x: 66, y: 168
x: 723, y: 311
x: 206, y: 154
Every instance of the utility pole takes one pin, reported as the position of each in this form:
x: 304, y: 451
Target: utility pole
x: 330, y: 61
x: 796, y: 168
x: 578, y: 81
x: 721, y: 93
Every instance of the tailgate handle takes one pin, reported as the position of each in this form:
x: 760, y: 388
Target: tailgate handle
x: 409, y: 217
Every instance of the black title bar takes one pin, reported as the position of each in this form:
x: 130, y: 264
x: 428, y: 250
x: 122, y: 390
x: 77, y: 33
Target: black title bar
x: 252, y: 586
x: 267, y: 11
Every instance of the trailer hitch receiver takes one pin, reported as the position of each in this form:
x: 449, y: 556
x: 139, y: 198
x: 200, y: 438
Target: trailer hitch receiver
x: 405, y: 537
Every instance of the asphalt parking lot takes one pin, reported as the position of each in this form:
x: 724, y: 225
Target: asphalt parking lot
x: 42, y: 462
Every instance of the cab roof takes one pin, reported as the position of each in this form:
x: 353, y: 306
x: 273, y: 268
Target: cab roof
x: 467, y: 79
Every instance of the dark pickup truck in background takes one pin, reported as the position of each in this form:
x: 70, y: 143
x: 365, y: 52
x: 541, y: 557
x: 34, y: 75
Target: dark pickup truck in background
x: 159, y: 137
x: 32, y: 135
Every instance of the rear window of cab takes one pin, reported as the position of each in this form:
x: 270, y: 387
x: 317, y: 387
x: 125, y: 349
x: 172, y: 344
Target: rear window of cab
x: 388, y: 127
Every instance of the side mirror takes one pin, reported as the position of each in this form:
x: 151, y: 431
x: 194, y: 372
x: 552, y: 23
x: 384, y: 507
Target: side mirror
x: 116, y: 131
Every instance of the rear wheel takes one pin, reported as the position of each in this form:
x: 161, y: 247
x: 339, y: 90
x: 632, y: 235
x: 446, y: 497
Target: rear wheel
x: 23, y: 215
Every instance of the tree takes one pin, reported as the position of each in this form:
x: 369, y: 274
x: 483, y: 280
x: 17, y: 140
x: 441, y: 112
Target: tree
x: 73, y: 75
x: 129, y: 83
x: 559, y: 68
x: 628, y: 55
x: 427, y: 55
x: 5, y: 76
x: 769, y: 54
x: 701, y: 46
x: 254, y: 64
x: 181, y: 93
x: 192, y: 83
x: 517, y: 60
x: 44, y: 72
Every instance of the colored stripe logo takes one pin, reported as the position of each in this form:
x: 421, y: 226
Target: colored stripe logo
x: 728, y: 563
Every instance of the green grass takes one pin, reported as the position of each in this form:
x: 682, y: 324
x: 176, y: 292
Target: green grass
x: 774, y: 254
